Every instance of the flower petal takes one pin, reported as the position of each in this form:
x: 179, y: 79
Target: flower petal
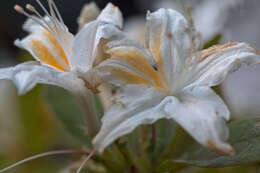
x: 218, y: 61
x: 136, y: 106
x: 25, y: 76
x: 130, y: 65
x: 172, y: 40
x: 45, y: 46
x: 112, y: 15
x: 202, y: 114
x: 89, y: 44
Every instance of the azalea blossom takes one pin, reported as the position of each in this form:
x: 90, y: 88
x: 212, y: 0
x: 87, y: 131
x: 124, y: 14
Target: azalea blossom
x: 170, y: 78
x: 63, y: 59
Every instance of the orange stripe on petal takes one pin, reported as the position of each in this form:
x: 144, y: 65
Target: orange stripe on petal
x: 56, y: 46
x: 126, y: 76
x: 45, y: 56
x: 155, y: 47
x: 136, y: 60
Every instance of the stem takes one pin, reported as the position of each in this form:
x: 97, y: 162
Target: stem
x: 153, y: 133
x: 87, y: 102
x: 50, y: 153
x: 85, y: 160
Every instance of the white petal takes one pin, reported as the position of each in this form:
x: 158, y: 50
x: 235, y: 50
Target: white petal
x: 31, y: 26
x: 202, y: 114
x: 89, y: 44
x: 61, y: 34
x: 111, y: 14
x: 125, y: 43
x: 137, y: 105
x: 25, y: 76
x: 129, y: 65
x: 88, y: 47
x: 218, y: 61
x: 46, y: 47
x: 83, y: 47
x: 171, y: 39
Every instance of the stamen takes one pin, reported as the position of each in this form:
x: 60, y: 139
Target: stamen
x: 44, y: 155
x: 51, y: 9
x: 57, y: 11
x: 41, y: 18
x: 49, y: 15
x: 31, y: 8
x: 44, y: 9
x: 54, y: 26
x: 19, y: 9
x: 85, y: 160
x: 54, y: 17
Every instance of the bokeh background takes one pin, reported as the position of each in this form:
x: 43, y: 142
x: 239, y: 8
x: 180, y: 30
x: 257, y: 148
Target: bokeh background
x: 29, y: 126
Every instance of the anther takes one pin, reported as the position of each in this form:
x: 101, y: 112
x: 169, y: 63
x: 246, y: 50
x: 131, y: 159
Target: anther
x: 19, y: 9
x: 30, y: 8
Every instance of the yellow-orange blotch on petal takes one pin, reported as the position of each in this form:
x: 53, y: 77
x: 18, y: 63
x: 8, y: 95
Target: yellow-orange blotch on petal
x: 138, y: 62
x: 126, y: 76
x: 44, y: 55
x: 56, y: 46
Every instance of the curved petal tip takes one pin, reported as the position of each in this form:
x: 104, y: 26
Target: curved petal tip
x: 112, y: 14
x: 223, y: 148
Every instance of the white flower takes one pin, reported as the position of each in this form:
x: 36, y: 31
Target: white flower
x: 63, y: 59
x: 171, y: 79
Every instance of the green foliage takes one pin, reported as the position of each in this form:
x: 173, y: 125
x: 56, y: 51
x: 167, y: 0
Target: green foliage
x: 244, y: 137
x: 32, y: 111
x: 68, y: 111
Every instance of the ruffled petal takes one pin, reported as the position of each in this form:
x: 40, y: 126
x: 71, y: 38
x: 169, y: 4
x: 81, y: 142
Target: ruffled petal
x: 216, y: 62
x: 25, y: 76
x: 202, y: 114
x: 136, y: 105
x: 89, y: 44
x: 172, y: 40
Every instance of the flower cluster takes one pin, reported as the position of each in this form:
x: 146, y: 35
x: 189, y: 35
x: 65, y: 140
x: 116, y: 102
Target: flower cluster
x: 167, y: 77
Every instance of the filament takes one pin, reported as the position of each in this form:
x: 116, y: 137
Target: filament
x: 44, y: 155
x: 85, y: 160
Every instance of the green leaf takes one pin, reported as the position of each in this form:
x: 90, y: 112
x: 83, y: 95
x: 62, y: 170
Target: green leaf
x: 68, y: 111
x: 164, y: 133
x: 244, y: 137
